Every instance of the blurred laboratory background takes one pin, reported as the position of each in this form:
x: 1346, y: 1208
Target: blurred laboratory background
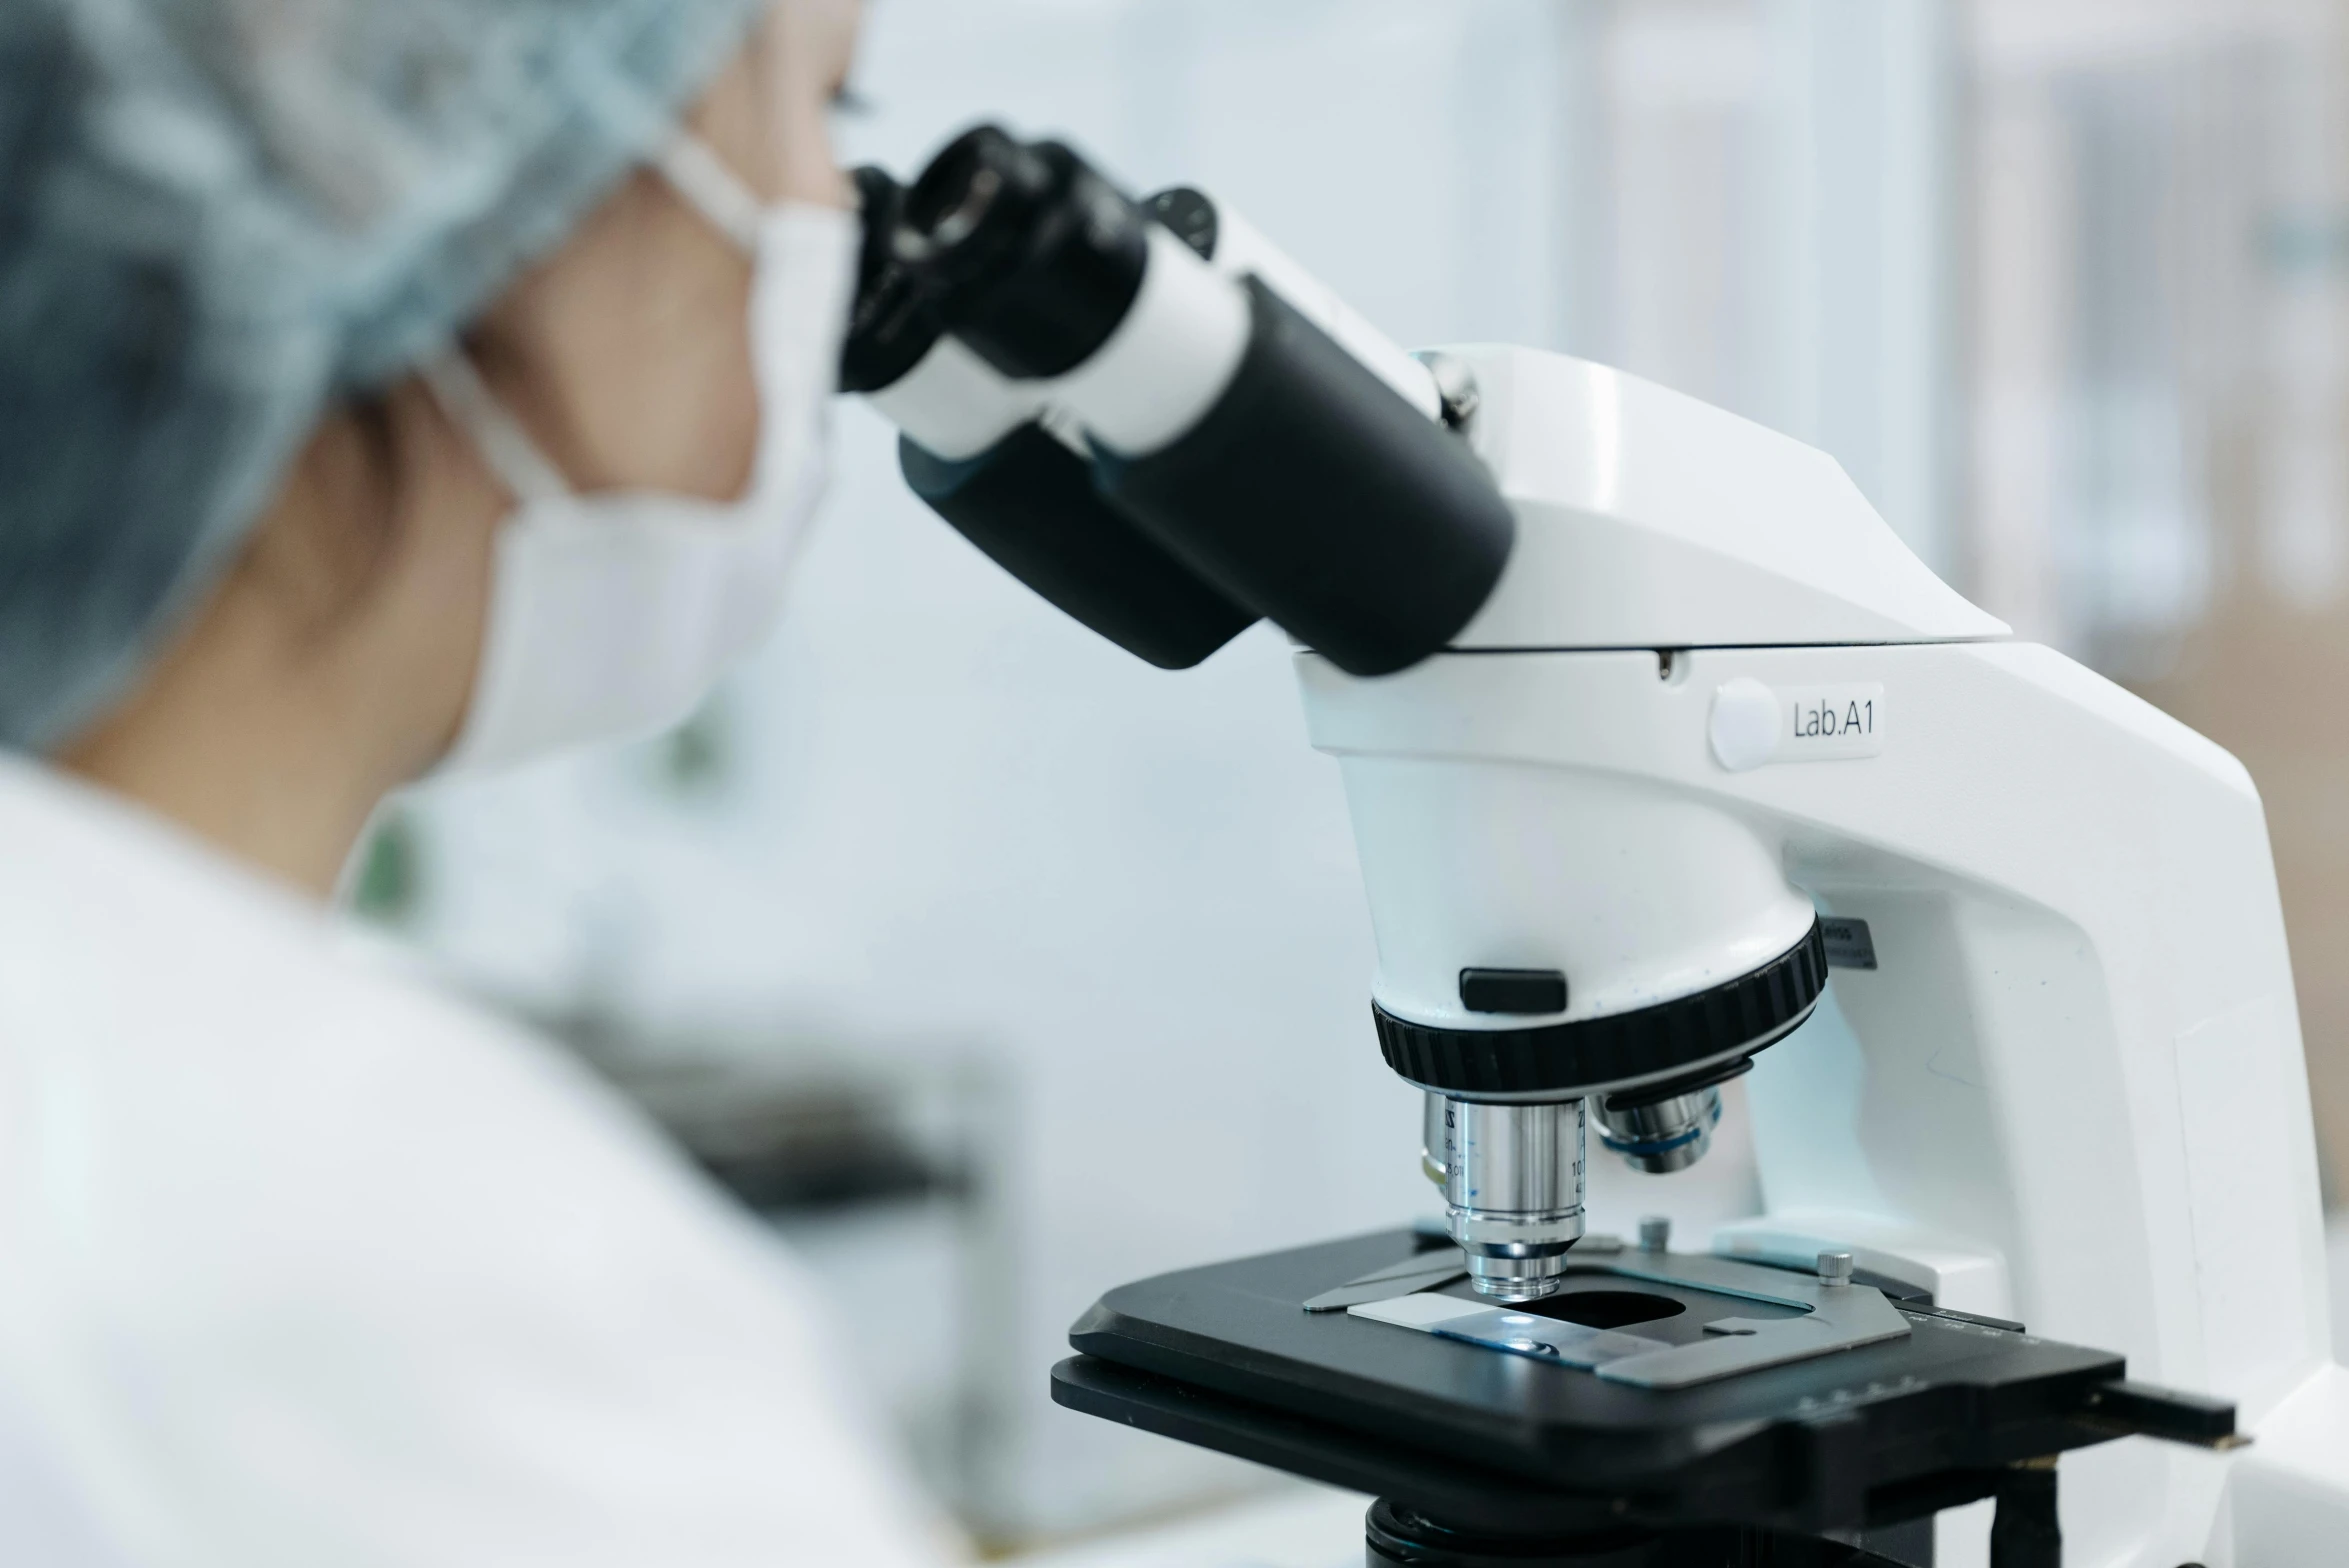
x: 998, y: 968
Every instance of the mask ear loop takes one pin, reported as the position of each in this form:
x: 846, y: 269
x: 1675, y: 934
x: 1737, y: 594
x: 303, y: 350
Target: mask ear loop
x: 701, y: 178
x: 497, y: 435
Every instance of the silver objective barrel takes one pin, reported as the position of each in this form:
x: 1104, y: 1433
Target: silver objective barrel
x: 1661, y: 1136
x: 1513, y: 1192
x: 1433, y: 1137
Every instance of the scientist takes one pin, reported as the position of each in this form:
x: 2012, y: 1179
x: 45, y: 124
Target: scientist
x: 386, y: 386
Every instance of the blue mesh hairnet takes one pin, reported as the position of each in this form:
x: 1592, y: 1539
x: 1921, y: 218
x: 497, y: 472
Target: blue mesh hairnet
x: 215, y: 215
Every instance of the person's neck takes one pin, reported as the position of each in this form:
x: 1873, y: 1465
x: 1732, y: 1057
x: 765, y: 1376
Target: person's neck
x: 236, y: 738
x: 331, y: 663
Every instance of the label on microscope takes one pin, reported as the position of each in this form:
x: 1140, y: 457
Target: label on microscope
x: 1849, y: 946
x: 1753, y: 724
x: 1830, y: 721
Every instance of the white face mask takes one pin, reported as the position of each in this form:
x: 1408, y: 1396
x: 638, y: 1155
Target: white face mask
x: 612, y: 615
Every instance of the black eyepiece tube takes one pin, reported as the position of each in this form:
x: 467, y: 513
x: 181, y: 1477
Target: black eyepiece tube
x: 1313, y: 493
x: 1032, y: 256
x: 1029, y: 503
x: 970, y: 210
x: 1273, y: 472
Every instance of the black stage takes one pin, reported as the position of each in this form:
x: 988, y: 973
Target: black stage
x: 1482, y: 1456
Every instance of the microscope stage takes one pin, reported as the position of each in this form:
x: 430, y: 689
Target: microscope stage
x: 1228, y: 1358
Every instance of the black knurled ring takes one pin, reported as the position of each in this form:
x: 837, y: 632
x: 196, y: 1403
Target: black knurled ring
x: 1759, y: 1005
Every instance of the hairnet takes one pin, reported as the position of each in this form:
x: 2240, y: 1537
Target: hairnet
x: 215, y: 215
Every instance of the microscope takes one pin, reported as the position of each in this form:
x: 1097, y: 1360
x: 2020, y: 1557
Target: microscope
x: 1668, y: 764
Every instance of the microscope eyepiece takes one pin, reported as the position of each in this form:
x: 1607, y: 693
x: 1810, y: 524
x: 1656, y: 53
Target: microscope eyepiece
x: 973, y: 202
x: 1032, y: 256
x: 976, y: 445
x: 1259, y: 457
x: 891, y: 322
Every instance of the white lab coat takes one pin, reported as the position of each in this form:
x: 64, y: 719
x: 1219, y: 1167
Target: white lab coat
x: 304, y: 1264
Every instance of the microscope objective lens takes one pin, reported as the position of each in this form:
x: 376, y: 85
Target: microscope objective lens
x: 1513, y: 1192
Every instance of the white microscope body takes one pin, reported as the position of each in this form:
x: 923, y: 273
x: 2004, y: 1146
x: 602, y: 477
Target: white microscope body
x: 2057, y: 1074
x: 1667, y: 758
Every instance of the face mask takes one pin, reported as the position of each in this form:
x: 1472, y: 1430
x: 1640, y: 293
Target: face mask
x: 612, y: 615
